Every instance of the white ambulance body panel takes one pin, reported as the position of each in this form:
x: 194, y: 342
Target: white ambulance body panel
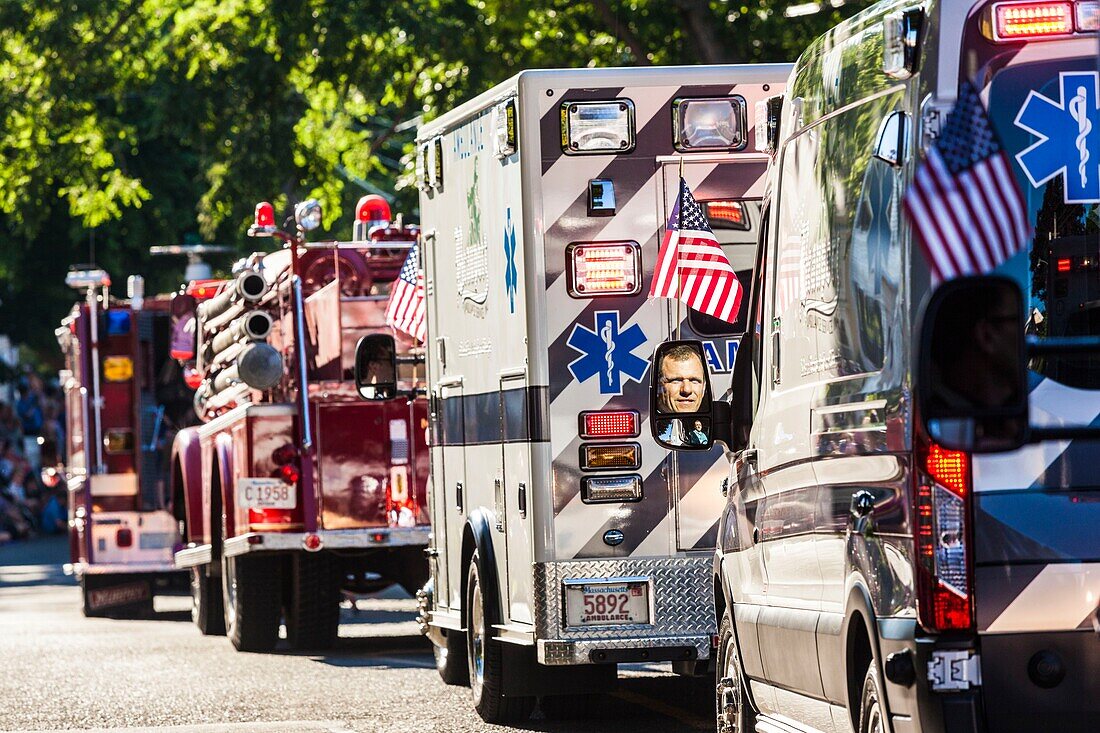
x: 515, y: 357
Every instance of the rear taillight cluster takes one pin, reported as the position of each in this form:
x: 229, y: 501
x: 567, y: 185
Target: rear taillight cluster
x: 942, y: 535
x: 1038, y: 20
x: 286, y: 462
x: 610, y: 456
x: 604, y: 268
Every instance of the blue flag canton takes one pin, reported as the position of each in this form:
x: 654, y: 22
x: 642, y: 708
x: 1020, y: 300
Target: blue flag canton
x: 410, y: 270
x: 693, y: 216
x: 967, y: 137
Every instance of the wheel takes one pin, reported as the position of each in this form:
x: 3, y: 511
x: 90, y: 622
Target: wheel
x: 207, y: 609
x: 732, y: 710
x: 870, y: 710
x: 251, y: 591
x: 312, y: 608
x: 485, y: 660
x: 570, y: 707
x: 450, y: 659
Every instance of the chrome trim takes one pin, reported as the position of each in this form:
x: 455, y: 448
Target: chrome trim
x: 194, y: 556
x: 331, y: 539
x: 82, y: 568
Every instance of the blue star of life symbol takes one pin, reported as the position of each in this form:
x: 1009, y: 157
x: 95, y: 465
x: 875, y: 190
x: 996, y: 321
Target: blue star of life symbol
x: 1069, y: 137
x: 607, y: 353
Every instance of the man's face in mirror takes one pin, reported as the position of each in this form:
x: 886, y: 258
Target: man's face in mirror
x: 682, y: 381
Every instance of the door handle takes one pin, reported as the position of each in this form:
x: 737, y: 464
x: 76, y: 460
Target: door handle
x: 747, y: 457
x: 756, y: 535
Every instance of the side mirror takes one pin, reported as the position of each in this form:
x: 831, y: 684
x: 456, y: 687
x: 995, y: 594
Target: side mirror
x: 182, y: 311
x: 680, y: 397
x: 971, y: 380
x: 376, y: 367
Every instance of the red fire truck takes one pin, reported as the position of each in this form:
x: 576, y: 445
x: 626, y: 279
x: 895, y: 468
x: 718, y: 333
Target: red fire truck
x: 124, y: 399
x: 295, y: 489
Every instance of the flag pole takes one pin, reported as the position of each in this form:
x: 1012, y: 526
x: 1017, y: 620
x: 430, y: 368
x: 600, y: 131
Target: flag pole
x: 679, y: 226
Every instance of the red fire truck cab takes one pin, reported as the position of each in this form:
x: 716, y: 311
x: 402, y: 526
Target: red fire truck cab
x: 124, y: 398
x: 294, y: 489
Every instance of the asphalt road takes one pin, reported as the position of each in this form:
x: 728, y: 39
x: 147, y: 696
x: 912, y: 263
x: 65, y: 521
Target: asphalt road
x: 61, y: 671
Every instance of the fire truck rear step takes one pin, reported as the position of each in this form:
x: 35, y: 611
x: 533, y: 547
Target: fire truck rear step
x: 194, y: 556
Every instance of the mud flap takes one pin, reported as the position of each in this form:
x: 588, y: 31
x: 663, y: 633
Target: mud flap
x: 115, y: 596
x: 524, y: 676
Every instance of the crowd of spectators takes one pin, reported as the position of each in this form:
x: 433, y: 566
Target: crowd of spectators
x: 31, y: 429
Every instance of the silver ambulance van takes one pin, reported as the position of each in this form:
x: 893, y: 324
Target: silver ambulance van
x: 890, y: 559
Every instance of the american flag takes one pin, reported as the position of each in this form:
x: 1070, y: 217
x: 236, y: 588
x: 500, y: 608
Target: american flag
x: 964, y: 202
x: 406, y: 307
x: 692, y: 267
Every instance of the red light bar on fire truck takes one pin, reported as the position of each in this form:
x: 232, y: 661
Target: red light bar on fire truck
x: 80, y: 279
x: 603, y: 268
x: 264, y: 224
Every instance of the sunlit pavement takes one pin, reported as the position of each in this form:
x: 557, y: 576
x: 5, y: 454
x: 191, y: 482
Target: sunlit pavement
x: 61, y: 671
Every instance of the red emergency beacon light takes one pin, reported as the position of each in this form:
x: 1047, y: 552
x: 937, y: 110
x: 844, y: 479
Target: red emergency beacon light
x: 371, y: 211
x: 264, y: 224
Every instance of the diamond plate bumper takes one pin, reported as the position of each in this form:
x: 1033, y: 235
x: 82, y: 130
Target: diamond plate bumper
x: 683, y: 615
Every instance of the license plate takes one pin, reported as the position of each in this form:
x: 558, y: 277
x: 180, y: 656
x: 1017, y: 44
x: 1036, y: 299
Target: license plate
x: 266, y: 493
x: 607, y: 603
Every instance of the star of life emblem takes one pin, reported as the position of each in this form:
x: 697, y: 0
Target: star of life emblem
x: 607, y: 353
x: 1069, y: 137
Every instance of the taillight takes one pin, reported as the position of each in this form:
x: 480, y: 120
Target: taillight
x: 609, y: 424
x: 726, y: 214
x: 124, y: 537
x: 605, y: 268
x: 284, y: 454
x: 1019, y: 21
x: 610, y: 455
x: 401, y: 504
x: 289, y: 473
x: 1065, y: 264
x: 945, y: 577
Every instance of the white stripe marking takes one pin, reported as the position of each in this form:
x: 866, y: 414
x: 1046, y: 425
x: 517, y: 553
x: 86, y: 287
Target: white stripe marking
x: 1059, y: 599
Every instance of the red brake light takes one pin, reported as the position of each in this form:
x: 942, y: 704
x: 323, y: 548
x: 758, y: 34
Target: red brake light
x: 608, y: 268
x: 726, y: 214
x: 265, y: 215
x: 124, y: 537
x: 1064, y: 264
x: 1012, y: 21
x: 609, y: 424
x: 950, y: 468
x: 191, y: 377
x: 289, y: 473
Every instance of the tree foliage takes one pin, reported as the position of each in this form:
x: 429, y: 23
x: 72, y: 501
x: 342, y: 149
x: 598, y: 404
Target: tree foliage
x: 141, y: 122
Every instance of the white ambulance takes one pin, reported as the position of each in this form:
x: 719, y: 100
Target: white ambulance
x: 565, y: 540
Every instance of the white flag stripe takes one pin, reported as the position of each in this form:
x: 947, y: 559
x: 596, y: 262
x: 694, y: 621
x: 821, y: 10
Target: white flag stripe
x: 940, y: 219
x: 941, y: 264
x: 991, y: 229
x: 959, y: 197
x: 962, y: 250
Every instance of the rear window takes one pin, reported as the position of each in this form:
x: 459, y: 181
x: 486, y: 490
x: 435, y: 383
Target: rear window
x: 1060, y: 179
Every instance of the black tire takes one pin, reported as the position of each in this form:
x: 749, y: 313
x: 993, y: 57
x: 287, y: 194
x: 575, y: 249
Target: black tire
x: 872, y: 715
x: 251, y: 592
x: 732, y: 711
x: 570, y: 707
x: 207, y: 607
x: 312, y: 608
x: 486, y: 659
x: 450, y: 659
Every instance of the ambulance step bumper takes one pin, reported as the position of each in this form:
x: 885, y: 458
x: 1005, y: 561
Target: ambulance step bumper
x: 327, y: 539
x: 194, y: 556
x: 622, y: 651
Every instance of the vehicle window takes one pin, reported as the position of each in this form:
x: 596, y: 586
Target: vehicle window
x: 1061, y: 271
x: 734, y: 226
x: 838, y: 262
